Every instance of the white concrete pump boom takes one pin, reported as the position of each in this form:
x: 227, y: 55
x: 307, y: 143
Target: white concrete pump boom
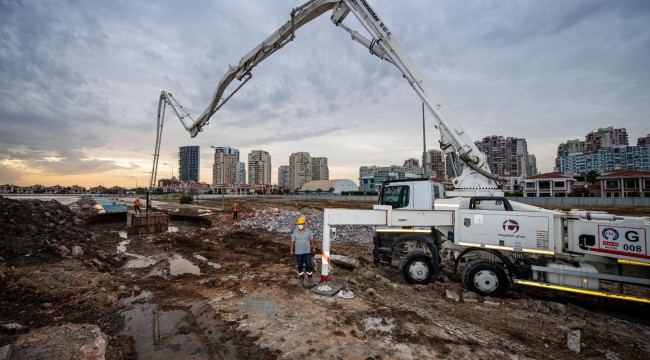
x: 166, y: 99
x: 475, y: 176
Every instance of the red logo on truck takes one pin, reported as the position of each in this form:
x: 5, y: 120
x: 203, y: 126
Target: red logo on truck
x: 511, y: 226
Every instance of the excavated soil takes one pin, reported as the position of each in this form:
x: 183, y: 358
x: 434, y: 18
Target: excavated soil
x: 229, y: 292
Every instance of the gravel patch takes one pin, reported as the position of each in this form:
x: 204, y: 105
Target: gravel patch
x: 284, y: 221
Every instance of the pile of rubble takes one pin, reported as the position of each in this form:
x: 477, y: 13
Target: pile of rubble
x: 284, y: 221
x: 35, y: 231
x: 85, y: 203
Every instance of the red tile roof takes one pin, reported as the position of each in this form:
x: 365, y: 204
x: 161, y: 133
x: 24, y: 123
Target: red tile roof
x: 439, y: 179
x: 551, y: 175
x: 625, y: 173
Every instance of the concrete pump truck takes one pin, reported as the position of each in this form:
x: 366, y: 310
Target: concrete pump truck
x: 497, y: 242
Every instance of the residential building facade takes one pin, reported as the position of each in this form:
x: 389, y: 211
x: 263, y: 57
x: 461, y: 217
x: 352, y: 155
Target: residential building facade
x: 434, y: 163
x: 227, y: 150
x: 283, y: 177
x: 563, y: 150
x: 224, y: 169
x: 300, y: 169
x: 604, y: 138
x: 505, y: 156
x: 319, y: 168
x: 643, y: 140
x: 547, y: 185
x: 259, y: 168
x: 189, y: 161
x: 240, y: 179
x: 370, y: 177
x: 608, y: 159
x: 532, y: 165
x: 625, y: 183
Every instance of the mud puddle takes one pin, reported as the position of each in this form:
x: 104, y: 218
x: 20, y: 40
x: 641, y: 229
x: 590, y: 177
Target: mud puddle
x: 187, y: 332
x: 120, y: 227
x: 178, y: 265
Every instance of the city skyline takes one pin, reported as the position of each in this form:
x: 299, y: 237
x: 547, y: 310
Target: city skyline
x: 81, y: 81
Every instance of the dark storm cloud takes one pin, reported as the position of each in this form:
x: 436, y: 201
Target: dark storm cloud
x: 41, y: 93
x: 80, y: 80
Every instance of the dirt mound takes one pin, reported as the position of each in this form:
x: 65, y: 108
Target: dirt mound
x: 36, y: 232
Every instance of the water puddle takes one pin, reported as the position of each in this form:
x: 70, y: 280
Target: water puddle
x: 214, y: 265
x: 121, y: 247
x: 203, y: 258
x: 120, y: 227
x: 179, y: 265
x: 139, y: 262
x: 131, y: 299
x: 186, y: 333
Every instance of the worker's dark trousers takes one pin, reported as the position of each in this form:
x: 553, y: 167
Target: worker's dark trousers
x: 304, y: 259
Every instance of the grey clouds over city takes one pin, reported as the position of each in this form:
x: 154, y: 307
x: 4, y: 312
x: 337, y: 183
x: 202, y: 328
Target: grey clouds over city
x: 80, y: 81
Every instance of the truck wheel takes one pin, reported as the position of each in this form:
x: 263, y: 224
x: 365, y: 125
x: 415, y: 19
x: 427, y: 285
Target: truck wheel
x: 485, y: 278
x: 417, y: 268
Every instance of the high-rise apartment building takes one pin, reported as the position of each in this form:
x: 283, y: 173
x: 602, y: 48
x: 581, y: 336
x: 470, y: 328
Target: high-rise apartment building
x: 604, y: 138
x: 437, y: 163
x: 604, y: 150
x: 642, y: 141
x: 608, y: 159
x: 532, y: 165
x: 370, y: 177
x: 224, y: 169
x: 570, y: 147
x: 227, y: 150
x: 412, y: 165
x: 189, y: 159
x: 259, y: 168
x: 434, y: 163
x: 241, y: 173
x: 319, y: 169
x: 505, y: 156
x: 283, y: 177
x: 299, y: 169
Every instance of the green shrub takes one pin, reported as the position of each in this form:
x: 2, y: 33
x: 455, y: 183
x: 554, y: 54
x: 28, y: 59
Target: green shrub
x: 186, y: 199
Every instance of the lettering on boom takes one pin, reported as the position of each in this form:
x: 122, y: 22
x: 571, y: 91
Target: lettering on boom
x: 375, y: 17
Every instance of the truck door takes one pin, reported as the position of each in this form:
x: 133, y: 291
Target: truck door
x: 397, y: 196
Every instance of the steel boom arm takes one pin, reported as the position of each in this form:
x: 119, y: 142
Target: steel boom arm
x: 475, y: 178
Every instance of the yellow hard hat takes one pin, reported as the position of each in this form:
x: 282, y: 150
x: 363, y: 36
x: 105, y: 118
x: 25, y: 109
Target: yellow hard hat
x: 301, y: 220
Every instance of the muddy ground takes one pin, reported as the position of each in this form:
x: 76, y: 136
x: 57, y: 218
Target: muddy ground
x: 228, y: 292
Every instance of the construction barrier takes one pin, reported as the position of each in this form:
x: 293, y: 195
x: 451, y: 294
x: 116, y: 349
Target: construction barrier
x: 146, y: 223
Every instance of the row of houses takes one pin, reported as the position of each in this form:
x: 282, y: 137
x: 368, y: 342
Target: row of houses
x: 166, y: 186
x: 617, y: 183
x: 60, y: 190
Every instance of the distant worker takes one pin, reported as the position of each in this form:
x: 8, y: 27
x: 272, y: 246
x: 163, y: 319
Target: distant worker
x: 235, y: 211
x: 301, y: 241
x: 136, y: 205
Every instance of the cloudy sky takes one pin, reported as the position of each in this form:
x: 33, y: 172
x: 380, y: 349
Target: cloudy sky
x: 80, y: 82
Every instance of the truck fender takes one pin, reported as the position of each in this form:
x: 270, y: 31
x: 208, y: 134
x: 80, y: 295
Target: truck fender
x: 428, y: 241
x: 508, y: 263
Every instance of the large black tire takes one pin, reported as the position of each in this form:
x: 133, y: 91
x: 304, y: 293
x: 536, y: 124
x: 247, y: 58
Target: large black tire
x: 485, y: 278
x: 416, y: 268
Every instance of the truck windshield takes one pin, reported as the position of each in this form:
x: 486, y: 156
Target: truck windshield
x: 396, y: 196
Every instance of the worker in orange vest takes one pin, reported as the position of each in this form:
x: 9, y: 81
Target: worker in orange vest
x: 136, y: 205
x: 235, y: 211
